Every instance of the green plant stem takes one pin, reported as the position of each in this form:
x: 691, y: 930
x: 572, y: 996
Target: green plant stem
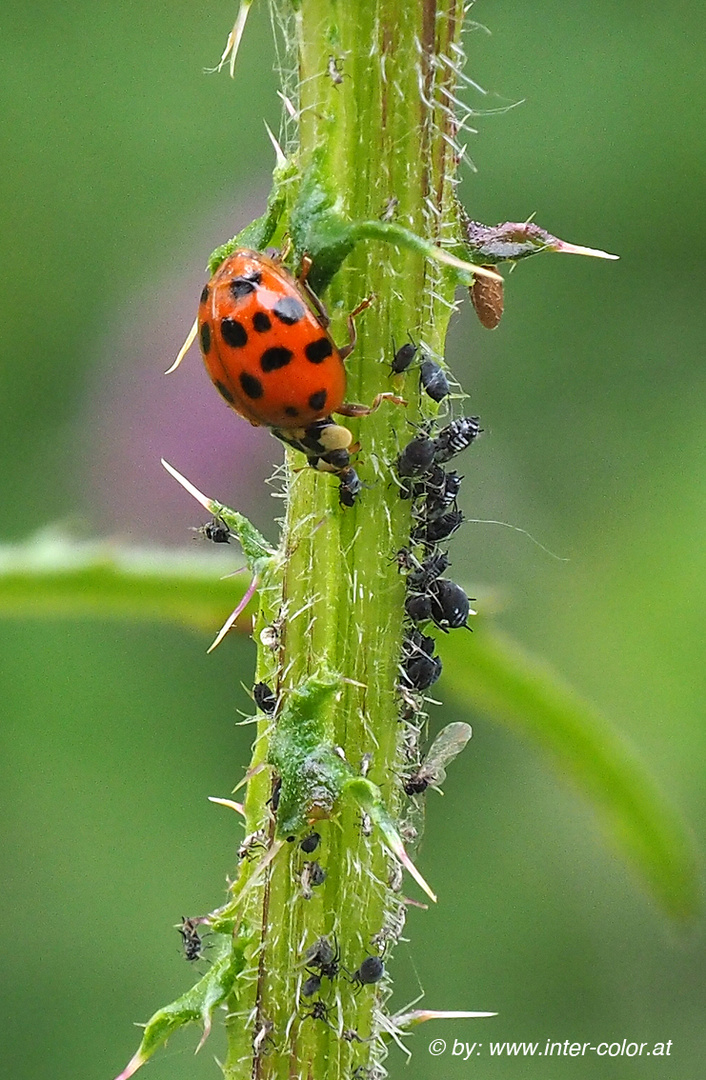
x: 371, y: 138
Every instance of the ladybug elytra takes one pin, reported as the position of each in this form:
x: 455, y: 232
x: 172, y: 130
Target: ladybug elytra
x: 265, y: 343
x: 268, y: 354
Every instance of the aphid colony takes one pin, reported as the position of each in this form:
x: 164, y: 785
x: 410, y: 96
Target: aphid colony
x: 266, y: 346
x: 430, y: 596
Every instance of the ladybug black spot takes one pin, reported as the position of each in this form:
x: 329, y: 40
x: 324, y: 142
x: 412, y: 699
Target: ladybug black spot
x: 317, y: 400
x: 243, y: 286
x: 252, y: 387
x: 291, y: 411
x: 276, y: 357
x: 204, y: 294
x: 205, y: 338
x: 289, y: 310
x: 261, y: 322
x: 234, y: 333
x: 225, y: 392
x: 318, y: 351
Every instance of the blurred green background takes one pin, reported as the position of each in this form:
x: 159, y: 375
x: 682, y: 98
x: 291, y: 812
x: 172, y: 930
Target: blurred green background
x: 124, y: 165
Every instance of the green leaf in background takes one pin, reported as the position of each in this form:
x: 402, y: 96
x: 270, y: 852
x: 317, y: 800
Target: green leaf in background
x: 52, y: 576
x: 494, y: 675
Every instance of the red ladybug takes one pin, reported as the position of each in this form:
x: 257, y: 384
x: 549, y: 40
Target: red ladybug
x: 267, y: 352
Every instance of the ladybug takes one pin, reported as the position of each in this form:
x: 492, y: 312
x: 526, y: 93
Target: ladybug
x: 268, y: 354
x: 265, y: 343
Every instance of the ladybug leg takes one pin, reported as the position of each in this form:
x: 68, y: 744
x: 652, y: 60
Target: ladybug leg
x: 351, y: 409
x: 346, y: 350
x: 317, y: 304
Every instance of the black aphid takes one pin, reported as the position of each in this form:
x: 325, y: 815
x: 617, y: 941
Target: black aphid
x: 192, y: 941
x: 420, y: 671
x: 310, y: 843
x: 447, y: 745
x: 311, y: 986
x: 417, y: 456
x: 403, y: 358
x: 319, y: 1011
x: 433, y: 379
x: 440, y: 497
x: 351, y: 486
x: 216, y: 531
x: 432, y: 567
x: 439, y: 528
x: 448, y: 604
x: 370, y: 971
x: 455, y: 437
x: 418, y: 607
x: 264, y: 698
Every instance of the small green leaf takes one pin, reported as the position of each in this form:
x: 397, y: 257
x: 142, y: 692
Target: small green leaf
x: 197, y: 1003
x: 492, y: 674
x: 311, y: 771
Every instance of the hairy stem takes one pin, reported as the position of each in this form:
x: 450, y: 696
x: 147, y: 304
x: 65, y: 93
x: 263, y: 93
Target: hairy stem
x: 377, y: 134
